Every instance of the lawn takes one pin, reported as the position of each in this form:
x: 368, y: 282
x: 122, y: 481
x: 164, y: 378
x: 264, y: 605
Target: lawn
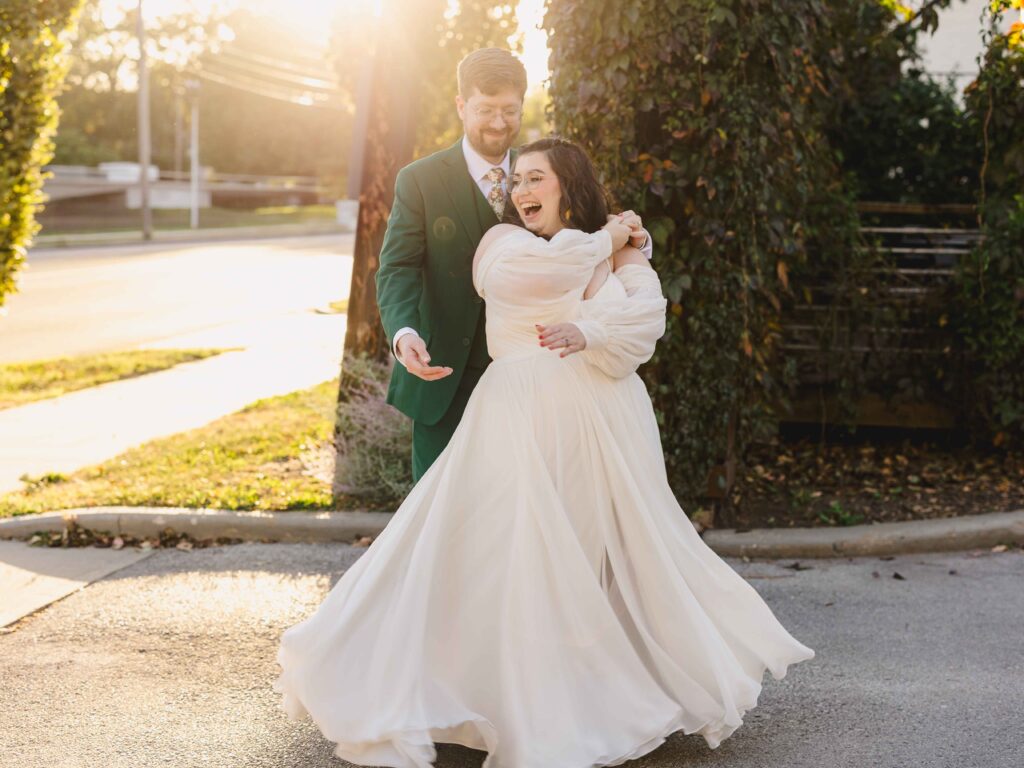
x: 274, y: 454
x: 22, y: 383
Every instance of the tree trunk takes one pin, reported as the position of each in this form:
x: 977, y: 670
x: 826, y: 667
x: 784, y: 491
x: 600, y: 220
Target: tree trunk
x: 389, y: 143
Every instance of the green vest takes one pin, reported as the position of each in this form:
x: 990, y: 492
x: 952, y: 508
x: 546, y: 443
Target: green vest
x: 425, y: 278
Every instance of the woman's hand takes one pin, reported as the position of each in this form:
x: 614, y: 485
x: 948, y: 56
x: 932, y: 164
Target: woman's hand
x: 632, y: 220
x: 620, y: 232
x: 564, y: 337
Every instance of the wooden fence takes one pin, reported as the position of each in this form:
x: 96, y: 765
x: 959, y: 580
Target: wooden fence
x: 909, y: 348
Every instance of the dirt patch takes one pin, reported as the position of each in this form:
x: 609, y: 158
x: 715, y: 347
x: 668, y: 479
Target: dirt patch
x: 801, y: 482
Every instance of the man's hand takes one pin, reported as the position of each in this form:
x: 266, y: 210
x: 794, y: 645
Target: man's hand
x: 412, y: 353
x: 564, y: 337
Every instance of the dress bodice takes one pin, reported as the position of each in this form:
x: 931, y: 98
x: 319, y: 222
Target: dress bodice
x: 527, y: 280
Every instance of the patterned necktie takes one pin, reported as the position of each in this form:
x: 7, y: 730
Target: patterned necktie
x: 497, y: 195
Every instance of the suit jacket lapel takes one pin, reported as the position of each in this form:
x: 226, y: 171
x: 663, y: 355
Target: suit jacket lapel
x: 463, y: 191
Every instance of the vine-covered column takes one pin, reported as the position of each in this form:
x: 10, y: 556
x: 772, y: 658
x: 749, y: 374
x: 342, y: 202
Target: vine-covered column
x: 707, y: 118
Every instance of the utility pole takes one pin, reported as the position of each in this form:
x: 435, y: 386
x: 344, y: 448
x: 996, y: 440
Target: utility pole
x: 192, y: 87
x: 179, y: 129
x: 144, y: 130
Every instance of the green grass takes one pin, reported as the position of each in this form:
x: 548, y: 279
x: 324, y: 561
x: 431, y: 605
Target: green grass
x: 274, y: 454
x: 173, y: 219
x: 22, y: 383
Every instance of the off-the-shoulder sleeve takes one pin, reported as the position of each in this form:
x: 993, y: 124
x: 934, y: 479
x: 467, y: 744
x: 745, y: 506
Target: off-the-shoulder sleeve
x: 521, y: 264
x: 621, y: 333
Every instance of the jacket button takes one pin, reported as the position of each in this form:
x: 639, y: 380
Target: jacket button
x: 466, y: 341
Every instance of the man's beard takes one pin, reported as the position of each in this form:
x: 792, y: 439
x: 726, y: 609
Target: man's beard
x: 491, y: 144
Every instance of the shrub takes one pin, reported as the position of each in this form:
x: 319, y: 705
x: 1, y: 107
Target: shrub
x: 990, y: 280
x: 900, y: 134
x: 373, y: 440
x: 32, y: 68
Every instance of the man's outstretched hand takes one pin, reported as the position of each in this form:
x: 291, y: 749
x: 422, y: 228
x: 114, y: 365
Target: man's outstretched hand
x: 412, y: 353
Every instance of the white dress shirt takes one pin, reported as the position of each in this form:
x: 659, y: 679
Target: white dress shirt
x: 478, y: 169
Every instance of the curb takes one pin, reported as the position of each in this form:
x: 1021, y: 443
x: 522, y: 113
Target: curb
x: 205, y: 523
x: 908, y: 537
x: 900, y: 538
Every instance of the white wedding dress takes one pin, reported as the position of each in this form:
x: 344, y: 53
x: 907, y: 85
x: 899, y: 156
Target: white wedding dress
x: 539, y: 594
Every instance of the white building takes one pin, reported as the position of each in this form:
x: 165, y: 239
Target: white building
x: 954, y: 49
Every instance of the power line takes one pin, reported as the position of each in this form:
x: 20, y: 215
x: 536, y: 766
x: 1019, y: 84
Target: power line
x: 265, y: 71
x: 317, y: 71
x: 260, y: 88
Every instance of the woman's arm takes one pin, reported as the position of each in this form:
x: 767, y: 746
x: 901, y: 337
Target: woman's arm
x: 629, y: 255
x: 621, y: 335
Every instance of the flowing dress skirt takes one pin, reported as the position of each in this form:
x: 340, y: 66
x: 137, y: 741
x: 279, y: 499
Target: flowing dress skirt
x: 540, y: 595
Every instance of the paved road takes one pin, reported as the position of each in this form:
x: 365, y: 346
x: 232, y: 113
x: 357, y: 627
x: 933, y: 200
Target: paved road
x: 82, y: 300
x: 169, y: 662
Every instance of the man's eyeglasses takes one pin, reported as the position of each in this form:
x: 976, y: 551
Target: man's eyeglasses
x: 510, y: 114
x: 518, y: 183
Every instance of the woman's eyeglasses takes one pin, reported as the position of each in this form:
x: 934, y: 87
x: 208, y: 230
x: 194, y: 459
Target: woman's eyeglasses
x: 518, y: 183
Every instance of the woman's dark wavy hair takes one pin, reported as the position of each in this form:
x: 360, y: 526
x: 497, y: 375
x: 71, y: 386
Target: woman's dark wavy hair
x: 585, y: 202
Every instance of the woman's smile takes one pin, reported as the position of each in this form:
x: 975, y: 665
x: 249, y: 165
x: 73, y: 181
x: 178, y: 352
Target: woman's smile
x: 536, y: 194
x: 531, y: 211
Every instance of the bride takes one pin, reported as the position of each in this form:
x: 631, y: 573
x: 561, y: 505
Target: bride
x: 540, y: 594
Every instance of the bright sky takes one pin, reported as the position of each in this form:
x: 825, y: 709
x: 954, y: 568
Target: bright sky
x: 312, y: 18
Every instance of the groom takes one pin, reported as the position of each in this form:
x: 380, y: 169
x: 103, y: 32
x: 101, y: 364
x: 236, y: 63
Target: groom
x: 443, y: 205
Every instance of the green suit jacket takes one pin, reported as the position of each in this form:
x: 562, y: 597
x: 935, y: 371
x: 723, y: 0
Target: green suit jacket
x: 425, y: 277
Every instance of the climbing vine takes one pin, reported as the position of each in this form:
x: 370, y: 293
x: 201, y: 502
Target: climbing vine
x: 708, y: 117
x: 990, y: 280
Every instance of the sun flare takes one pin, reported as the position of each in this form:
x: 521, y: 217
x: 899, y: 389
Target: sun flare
x: 312, y: 19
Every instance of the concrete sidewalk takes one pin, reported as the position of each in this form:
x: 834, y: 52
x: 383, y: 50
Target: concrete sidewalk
x: 34, y: 577
x: 285, y: 353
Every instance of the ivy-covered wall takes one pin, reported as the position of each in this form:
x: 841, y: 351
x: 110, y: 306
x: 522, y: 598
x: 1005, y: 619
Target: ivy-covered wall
x: 709, y: 118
